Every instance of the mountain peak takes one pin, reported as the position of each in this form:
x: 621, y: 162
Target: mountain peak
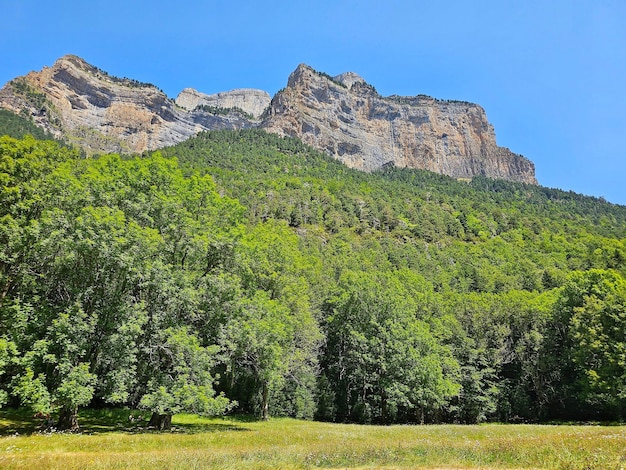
x: 72, y: 58
x: 75, y: 61
x: 299, y: 74
x: 364, y: 130
x: 349, y: 79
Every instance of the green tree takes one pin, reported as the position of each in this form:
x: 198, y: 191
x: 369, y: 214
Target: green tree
x: 64, y: 380
x: 256, y: 342
x: 8, y: 351
x: 271, y: 338
x: 380, y: 358
x: 181, y: 379
x: 588, y: 345
x: 88, y: 237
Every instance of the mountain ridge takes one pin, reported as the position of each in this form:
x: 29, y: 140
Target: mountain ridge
x: 343, y: 116
x: 353, y: 123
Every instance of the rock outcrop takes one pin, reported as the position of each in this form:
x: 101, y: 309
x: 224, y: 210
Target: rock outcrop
x: 348, y: 119
x: 250, y: 101
x: 101, y: 113
x: 343, y: 116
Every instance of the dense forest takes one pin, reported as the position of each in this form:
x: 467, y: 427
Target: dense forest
x: 244, y: 272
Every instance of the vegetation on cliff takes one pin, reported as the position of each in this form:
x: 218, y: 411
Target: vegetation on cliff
x: 20, y: 125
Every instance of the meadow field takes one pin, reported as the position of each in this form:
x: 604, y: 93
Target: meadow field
x: 110, y: 440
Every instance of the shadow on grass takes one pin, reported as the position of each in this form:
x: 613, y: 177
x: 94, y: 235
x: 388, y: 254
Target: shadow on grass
x: 18, y: 422
x: 23, y: 421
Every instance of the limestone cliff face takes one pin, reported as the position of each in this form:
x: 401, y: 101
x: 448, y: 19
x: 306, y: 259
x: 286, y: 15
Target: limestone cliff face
x: 86, y: 106
x: 348, y: 119
x: 251, y: 101
x: 342, y: 115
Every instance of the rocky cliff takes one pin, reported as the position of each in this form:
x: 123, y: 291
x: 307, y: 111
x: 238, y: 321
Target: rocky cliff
x: 342, y: 115
x: 347, y: 118
x: 250, y: 101
x: 101, y: 113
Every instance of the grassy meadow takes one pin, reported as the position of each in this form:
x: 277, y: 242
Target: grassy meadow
x: 109, y: 440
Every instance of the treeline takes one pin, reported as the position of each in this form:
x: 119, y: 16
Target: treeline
x: 254, y: 274
x: 18, y: 126
x: 220, y: 111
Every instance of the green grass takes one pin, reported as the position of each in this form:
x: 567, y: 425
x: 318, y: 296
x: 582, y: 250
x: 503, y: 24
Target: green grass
x: 109, y: 440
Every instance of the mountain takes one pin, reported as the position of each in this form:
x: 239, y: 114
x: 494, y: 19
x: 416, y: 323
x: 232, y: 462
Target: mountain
x: 342, y: 116
x: 250, y: 101
x: 348, y: 119
x: 100, y: 113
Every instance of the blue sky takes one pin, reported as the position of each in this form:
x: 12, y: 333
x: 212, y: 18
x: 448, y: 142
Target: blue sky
x: 550, y: 74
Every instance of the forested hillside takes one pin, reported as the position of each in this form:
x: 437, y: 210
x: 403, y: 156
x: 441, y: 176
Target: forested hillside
x: 18, y: 126
x: 243, y: 271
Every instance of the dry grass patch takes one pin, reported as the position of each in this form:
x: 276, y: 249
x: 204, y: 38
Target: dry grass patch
x: 290, y: 444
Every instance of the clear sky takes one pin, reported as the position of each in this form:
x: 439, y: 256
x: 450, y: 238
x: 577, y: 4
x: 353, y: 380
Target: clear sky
x: 551, y: 74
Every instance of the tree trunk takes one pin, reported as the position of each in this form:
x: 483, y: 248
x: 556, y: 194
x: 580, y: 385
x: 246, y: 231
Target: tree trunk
x: 265, y: 406
x: 383, y: 411
x: 68, y: 419
x: 160, y: 422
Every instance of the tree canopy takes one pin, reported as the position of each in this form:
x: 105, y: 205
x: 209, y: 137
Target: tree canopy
x: 244, y: 271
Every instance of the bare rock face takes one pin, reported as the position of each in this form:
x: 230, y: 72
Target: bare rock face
x: 250, y: 101
x: 101, y: 113
x: 348, y: 119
